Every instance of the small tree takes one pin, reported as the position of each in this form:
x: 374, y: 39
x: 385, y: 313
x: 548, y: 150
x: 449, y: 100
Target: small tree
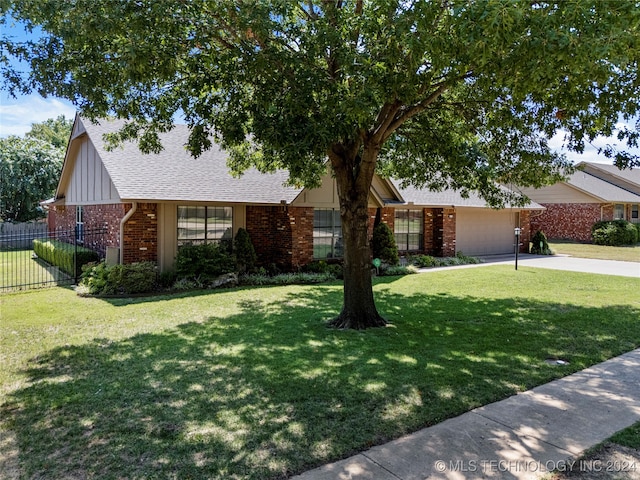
x: 384, y: 244
x: 539, y: 244
x: 245, y: 253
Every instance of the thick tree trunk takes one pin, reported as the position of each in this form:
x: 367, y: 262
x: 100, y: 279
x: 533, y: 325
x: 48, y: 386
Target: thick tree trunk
x: 353, y: 178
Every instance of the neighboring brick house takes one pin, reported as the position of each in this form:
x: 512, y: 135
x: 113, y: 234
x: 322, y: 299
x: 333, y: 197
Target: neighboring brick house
x: 152, y: 204
x: 595, y: 192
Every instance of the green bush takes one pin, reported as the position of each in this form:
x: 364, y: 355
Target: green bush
x: 304, y: 278
x: 424, y: 261
x: 427, y: 261
x: 466, y: 259
x: 397, y: 270
x: 614, y: 233
x: 133, y: 278
x: 539, y: 244
x: 61, y: 255
x: 321, y: 266
x: 384, y: 245
x: 204, y: 262
x: 245, y: 253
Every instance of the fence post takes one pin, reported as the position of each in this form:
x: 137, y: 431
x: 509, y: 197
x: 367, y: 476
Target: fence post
x: 75, y: 255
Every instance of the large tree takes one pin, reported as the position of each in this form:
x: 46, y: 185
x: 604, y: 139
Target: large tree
x: 54, y: 131
x: 29, y: 170
x: 446, y: 93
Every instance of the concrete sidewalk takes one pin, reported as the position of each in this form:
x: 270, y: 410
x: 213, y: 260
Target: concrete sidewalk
x: 523, y: 437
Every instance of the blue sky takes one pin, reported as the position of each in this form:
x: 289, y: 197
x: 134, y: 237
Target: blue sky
x: 17, y: 114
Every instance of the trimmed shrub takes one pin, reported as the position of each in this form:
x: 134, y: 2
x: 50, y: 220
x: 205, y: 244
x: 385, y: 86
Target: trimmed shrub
x: 539, y: 244
x: 424, y: 261
x: 300, y: 278
x: 384, y: 245
x: 466, y: 259
x: 245, y: 253
x: 427, y: 261
x: 204, y: 262
x: 321, y: 266
x: 126, y: 279
x: 397, y: 270
x: 61, y: 255
x: 614, y: 233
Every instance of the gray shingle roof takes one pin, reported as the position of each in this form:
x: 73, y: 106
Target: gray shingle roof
x: 631, y: 175
x: 601, y: 188
x: 173, y: 174
x: 449, y: 198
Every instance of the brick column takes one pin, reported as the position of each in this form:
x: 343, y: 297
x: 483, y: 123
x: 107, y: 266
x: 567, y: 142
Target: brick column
x: 281, y: 235
x: 141, y: 234
x: 448, y: 232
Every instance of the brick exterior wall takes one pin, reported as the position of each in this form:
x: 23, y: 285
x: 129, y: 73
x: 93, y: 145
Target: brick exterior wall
x: 62, y: 217
x: 141, y: 234
x: 95, y: 217
x: 281, y: 235
x: 373, y: 213
x: 569, y: 221
x: 387, y: 215
x: 448, y: 232
x: 430, y: 242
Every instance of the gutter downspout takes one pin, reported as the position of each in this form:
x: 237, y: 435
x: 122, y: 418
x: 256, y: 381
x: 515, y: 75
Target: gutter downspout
x: 129, y: 214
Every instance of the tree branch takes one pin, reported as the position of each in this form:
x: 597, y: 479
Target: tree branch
x: 410, y: 112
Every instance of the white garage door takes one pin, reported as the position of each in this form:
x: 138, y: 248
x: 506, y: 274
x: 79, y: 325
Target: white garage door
x: 481, y: 231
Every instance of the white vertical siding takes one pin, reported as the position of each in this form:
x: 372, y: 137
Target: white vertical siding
x: 90, y: 183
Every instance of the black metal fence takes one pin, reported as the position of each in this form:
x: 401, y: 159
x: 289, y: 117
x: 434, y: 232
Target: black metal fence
x: 22, y: 269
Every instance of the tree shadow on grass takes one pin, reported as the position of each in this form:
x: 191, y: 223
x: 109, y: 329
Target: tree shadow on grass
x: 271, y: 391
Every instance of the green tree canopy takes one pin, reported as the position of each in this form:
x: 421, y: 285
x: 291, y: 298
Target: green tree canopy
x: 29, y: 169
x: 53, y: 131
x: 441, y: 93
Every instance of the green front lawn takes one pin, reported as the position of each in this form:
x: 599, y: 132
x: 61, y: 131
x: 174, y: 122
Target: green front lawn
x: 600, y: 252
x: 20, y: 269
x: 249, y: 383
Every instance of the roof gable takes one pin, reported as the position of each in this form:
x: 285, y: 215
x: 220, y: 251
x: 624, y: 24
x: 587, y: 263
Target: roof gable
x: 174, y: 174
x: 84, y: 179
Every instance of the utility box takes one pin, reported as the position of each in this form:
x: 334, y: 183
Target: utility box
x: 113, y: 256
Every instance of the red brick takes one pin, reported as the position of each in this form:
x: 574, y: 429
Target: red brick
x: 570, y: 221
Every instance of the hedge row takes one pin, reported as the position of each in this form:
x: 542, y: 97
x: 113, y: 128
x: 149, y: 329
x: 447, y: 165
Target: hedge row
x: 614, y: 233
x: 61, y: 255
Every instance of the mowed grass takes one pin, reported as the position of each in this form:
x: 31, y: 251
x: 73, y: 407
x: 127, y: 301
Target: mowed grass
x: 20, y: 269
x: 251, y: 384
x: 601, y: 252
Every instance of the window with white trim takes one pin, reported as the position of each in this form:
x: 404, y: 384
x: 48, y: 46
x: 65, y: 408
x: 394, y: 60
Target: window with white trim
x: 79, y: 224
x: 408, y: 229
x: 204, y: 224
x: 618, y: 211
x: 634, y: 213
x: 327, y: 233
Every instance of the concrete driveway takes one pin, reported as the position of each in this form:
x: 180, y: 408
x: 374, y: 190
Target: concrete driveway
x: 557, y: 262
x: 573, y: 264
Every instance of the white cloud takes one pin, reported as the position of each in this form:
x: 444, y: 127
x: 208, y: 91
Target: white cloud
x: 17, y: 114
x: 590, y: 153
